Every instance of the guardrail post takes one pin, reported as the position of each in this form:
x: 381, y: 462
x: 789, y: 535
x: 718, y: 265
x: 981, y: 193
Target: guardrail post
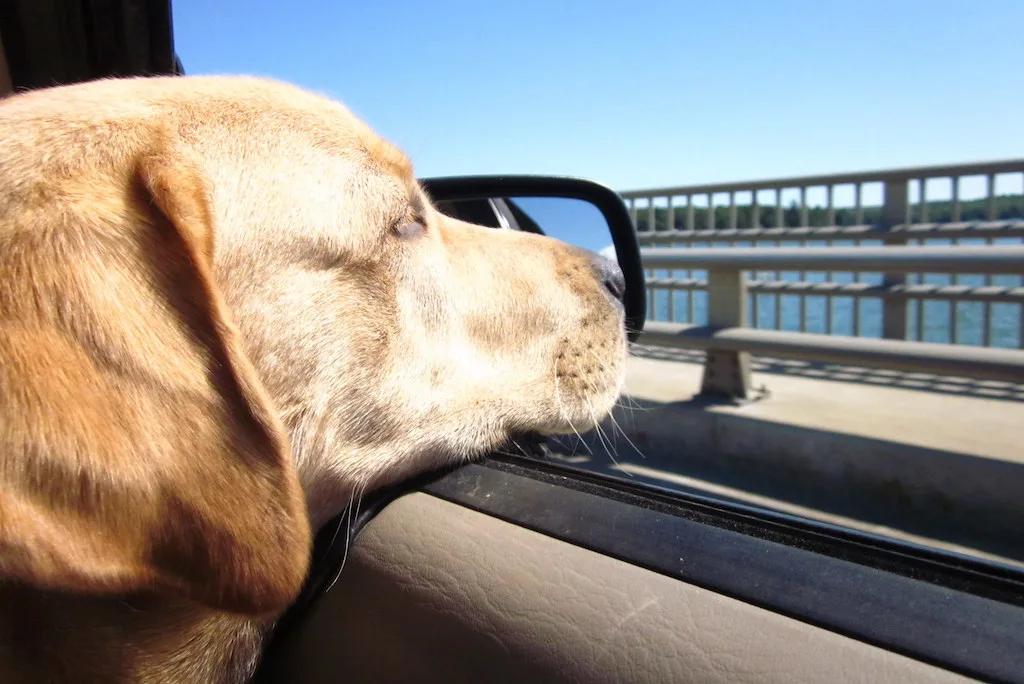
x: 726, y: 373
x: 894, y: 213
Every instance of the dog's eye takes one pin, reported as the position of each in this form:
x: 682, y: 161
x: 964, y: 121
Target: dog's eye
x: 410, y: 229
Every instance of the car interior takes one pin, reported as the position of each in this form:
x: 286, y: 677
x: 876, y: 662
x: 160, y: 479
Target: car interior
x: 524, y: 568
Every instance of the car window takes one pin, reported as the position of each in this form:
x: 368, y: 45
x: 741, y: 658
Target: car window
x: 834, y: 279
x: 842, y: 348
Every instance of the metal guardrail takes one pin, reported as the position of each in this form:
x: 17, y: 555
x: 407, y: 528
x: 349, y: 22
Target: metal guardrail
x: 984, y: 230
x: 900, y: 222
x: 955, y: 293
x: 926, y: 357
x: 729, y: 342
x: 854, y: 178
x: 989, y: 260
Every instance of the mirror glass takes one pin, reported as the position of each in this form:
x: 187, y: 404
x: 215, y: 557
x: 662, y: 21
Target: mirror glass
x: 570, y: 220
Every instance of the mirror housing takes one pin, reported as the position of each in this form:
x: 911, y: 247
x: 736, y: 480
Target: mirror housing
x: 606, y: 200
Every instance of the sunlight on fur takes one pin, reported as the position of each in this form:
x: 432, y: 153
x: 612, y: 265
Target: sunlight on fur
x: 228, y: 310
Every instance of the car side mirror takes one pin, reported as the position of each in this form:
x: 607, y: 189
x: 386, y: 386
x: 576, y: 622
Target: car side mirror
x: 580, y: 212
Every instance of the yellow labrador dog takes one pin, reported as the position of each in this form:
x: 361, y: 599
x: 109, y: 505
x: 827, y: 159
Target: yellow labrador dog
x: 226, y: 308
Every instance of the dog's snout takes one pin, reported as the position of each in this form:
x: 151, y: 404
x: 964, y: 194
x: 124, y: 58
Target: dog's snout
x: 611, y: 277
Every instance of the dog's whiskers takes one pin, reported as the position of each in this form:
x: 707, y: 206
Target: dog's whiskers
x: 606, y: 442
x: 563, y: 414
x: 351, y: 512
x: 616, y: 427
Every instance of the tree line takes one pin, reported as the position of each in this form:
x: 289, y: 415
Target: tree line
x: 1008, y: 207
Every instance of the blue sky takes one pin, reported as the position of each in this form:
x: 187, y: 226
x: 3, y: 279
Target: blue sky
x: 640, y: 94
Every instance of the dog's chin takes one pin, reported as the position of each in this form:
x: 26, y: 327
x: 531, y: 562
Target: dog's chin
x: 578, y: 422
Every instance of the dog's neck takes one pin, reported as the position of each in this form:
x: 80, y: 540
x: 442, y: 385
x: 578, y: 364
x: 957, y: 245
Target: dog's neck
x: 327, y: 493
x: 50, y: 636
x: 46, y: 636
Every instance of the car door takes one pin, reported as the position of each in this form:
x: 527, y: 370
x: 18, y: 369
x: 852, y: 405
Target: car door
x: 526, y: 568
x: 515, y: 570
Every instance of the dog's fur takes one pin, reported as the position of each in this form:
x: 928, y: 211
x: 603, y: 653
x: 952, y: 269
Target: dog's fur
x: 226, y: 309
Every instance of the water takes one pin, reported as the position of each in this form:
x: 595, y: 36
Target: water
x: 1005, y: 318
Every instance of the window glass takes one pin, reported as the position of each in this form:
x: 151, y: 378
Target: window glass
x: 885, y: 397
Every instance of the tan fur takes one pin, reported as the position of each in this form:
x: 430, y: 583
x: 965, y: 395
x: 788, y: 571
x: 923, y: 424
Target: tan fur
x: 213, y: 336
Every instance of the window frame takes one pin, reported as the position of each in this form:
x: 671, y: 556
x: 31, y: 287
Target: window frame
x: 963, y: 614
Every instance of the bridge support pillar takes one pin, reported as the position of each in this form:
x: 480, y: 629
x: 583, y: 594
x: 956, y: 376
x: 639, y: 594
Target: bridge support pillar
x: 895, y: 207
x: 727, y: 373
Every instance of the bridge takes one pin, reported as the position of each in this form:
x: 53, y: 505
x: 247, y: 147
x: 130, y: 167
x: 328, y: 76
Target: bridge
x: 846, y: 348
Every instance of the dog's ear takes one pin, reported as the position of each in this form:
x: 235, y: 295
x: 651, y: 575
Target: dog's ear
x: 138, y: 449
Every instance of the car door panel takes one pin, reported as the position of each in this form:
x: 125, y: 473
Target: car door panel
x: 434, y: 591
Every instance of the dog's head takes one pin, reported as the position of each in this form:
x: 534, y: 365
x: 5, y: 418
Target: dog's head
x: 219, y: 289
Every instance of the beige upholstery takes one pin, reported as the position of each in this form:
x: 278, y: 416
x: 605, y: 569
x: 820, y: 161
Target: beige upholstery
x: 434, y: 592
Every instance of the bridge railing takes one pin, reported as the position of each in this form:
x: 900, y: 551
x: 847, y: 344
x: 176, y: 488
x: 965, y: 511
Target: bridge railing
x: 900, y: 230
x: 729, y: 342
x: 693, y: 215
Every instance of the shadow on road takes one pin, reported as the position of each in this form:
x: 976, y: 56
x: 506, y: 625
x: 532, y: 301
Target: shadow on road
x: 886, y: 487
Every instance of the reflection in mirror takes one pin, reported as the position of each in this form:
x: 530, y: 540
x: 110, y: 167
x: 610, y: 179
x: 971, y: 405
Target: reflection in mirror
x: 570, y: 220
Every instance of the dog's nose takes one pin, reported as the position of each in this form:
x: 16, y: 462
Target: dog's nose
x: 611, y: 277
